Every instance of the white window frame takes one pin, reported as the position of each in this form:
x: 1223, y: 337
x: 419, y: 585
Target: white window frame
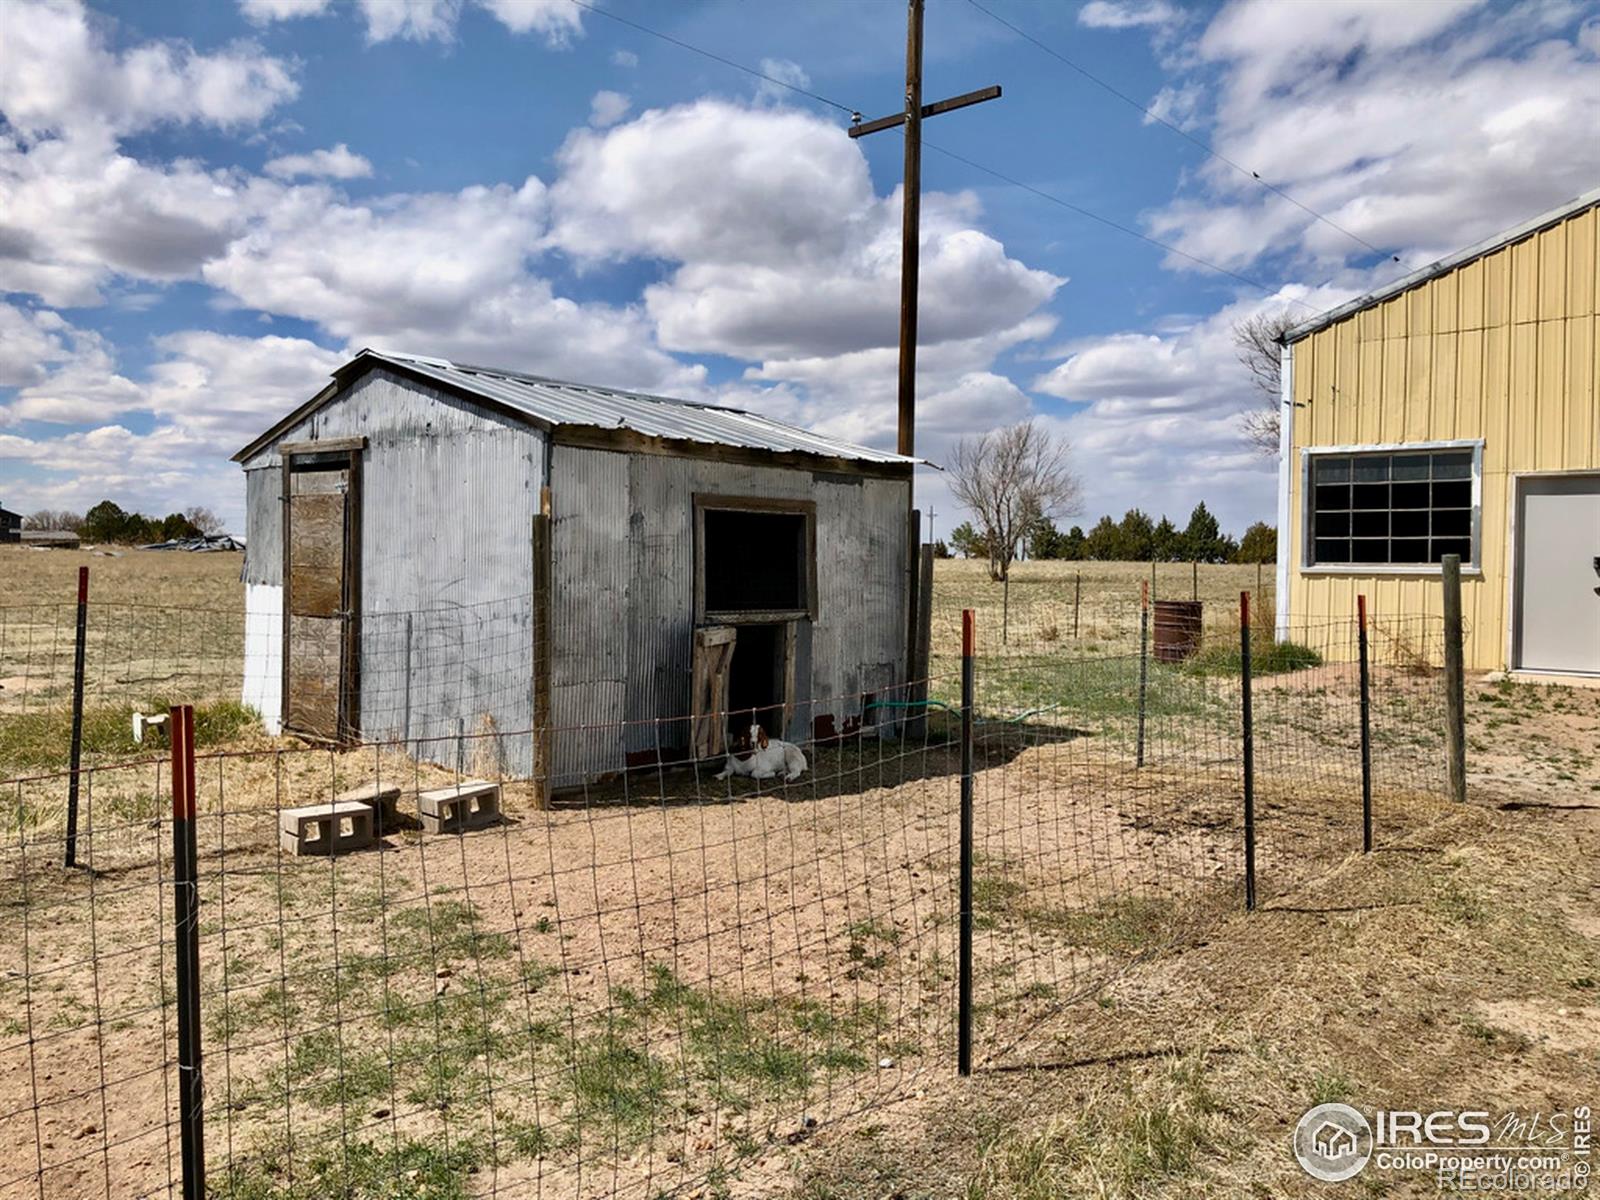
x: 1310, y: 453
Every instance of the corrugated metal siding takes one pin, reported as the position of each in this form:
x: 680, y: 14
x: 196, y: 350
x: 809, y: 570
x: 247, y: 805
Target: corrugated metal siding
x: 1505, y: 348
x: 623, y: 615
x: 448, y: 497
x: 858, y: 645
x: 263, y: 527
x: 589, y: 612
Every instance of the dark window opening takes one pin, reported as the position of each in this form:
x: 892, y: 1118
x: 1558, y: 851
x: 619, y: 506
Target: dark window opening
x: 755, y: 561
x: 1396, y: 509
x: 756, y: 681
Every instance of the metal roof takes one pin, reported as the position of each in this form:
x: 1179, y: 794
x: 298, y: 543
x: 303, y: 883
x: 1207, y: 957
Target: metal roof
x: 1449, y: 263
x: 552, y: 402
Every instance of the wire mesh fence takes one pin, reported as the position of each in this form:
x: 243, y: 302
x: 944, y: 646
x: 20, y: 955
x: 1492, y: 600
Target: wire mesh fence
x: 666, y: 976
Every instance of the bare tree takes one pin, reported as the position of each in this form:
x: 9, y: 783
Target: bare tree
x: 52, y: 519
x: 1009, y: 479
x: 203, y: 519
x: 1258, y: 341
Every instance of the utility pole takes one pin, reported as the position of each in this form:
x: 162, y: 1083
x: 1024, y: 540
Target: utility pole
x: 911, y: 225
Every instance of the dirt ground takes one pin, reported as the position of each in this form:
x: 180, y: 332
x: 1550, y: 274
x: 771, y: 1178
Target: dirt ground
x: 677, y: 984
x: 1457, y: 970
x: 673, y: 980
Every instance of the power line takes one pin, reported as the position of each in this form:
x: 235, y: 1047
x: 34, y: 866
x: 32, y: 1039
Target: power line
x: 1180, y: 131
x: 977, y: 166
x: 714, y: 57
x: 1109, y: 223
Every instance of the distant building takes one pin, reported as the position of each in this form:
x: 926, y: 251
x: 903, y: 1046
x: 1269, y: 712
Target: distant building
x: 53, y: 539
x: 1454, y: 412
x: 10, y: 526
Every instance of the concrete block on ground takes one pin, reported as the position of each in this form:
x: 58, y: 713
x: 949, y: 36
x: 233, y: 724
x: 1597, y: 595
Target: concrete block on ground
x: 470, y: 804
x: 382, y: 798
x: 335, y: 828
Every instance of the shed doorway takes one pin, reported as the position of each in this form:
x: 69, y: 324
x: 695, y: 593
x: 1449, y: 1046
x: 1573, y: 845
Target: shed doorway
x: 321, y: 600
x: 743, y: 675
x: 1557, y: 617
x: 760, y: 680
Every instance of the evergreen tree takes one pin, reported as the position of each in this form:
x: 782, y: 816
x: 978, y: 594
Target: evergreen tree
x: 1104, y: 542
x: 1138, y: 536
x: 967, y: 542
x: 1071, y: 544
x: 1167, y: 542
x: 1259, y: 544
x: 1202, y: 539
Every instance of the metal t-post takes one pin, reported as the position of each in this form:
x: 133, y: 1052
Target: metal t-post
x: 1366, y: 726
x: 964, y: 966
x: 1247, y: 722
x: 1455, y: 698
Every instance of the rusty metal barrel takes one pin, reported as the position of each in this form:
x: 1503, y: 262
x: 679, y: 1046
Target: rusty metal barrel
x: 1177, y: 630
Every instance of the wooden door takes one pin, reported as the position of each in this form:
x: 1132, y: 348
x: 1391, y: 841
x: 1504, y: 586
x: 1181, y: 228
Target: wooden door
x: 708, y: 702
x: 319, y: 600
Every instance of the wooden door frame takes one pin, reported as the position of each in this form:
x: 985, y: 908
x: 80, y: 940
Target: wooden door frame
x: 339, y: 454
x: 755, y: 504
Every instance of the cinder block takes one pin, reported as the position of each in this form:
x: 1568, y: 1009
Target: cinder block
x: 383, y: 799
x: 470, y: 804
x: 335, y: 828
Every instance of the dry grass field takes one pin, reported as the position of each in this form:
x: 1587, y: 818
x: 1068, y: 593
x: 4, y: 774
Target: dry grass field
x: 747, y: 990
x: 121, y: 576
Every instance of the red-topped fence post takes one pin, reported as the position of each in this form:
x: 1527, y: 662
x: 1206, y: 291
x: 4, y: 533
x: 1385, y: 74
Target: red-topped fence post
x: 186, y: 954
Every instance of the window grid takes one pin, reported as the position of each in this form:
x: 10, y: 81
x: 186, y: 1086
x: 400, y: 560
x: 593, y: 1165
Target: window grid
x: 1407, y: 508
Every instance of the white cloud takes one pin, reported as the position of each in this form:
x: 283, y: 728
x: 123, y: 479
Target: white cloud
x: 414, y: 20
x: 62, y: 374
x: 226, y: 389
x: 1417, y: 127
x: 607, y: 108
x: 162, y: 471
x: 1126, y: 14
x: 792, y: 254
x: 262, y: 11
x: 339, y: 162
x: 1177, y: 106
x: 556, y: 21
x: 785, y: 72
x: 438, y: 273
x: 57, y: 75
x: 75, y: 211
x: 1158, y: 413
x: 626, y: 59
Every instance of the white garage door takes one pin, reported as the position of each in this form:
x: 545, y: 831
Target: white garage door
x: 1558, y: 574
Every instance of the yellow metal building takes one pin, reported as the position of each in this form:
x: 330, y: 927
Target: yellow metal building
x: 1456, y: 410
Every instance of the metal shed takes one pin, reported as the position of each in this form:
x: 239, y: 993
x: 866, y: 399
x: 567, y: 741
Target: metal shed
x: 437, y: 550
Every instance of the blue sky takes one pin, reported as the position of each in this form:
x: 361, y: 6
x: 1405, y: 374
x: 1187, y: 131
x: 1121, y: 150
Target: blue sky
x: 205, y: 206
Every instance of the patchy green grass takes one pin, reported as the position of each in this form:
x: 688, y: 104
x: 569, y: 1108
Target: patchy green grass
x: 42, y: 740
x: 453, y: 1015
x: 323, y: 1167
x: 1267, y: 657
